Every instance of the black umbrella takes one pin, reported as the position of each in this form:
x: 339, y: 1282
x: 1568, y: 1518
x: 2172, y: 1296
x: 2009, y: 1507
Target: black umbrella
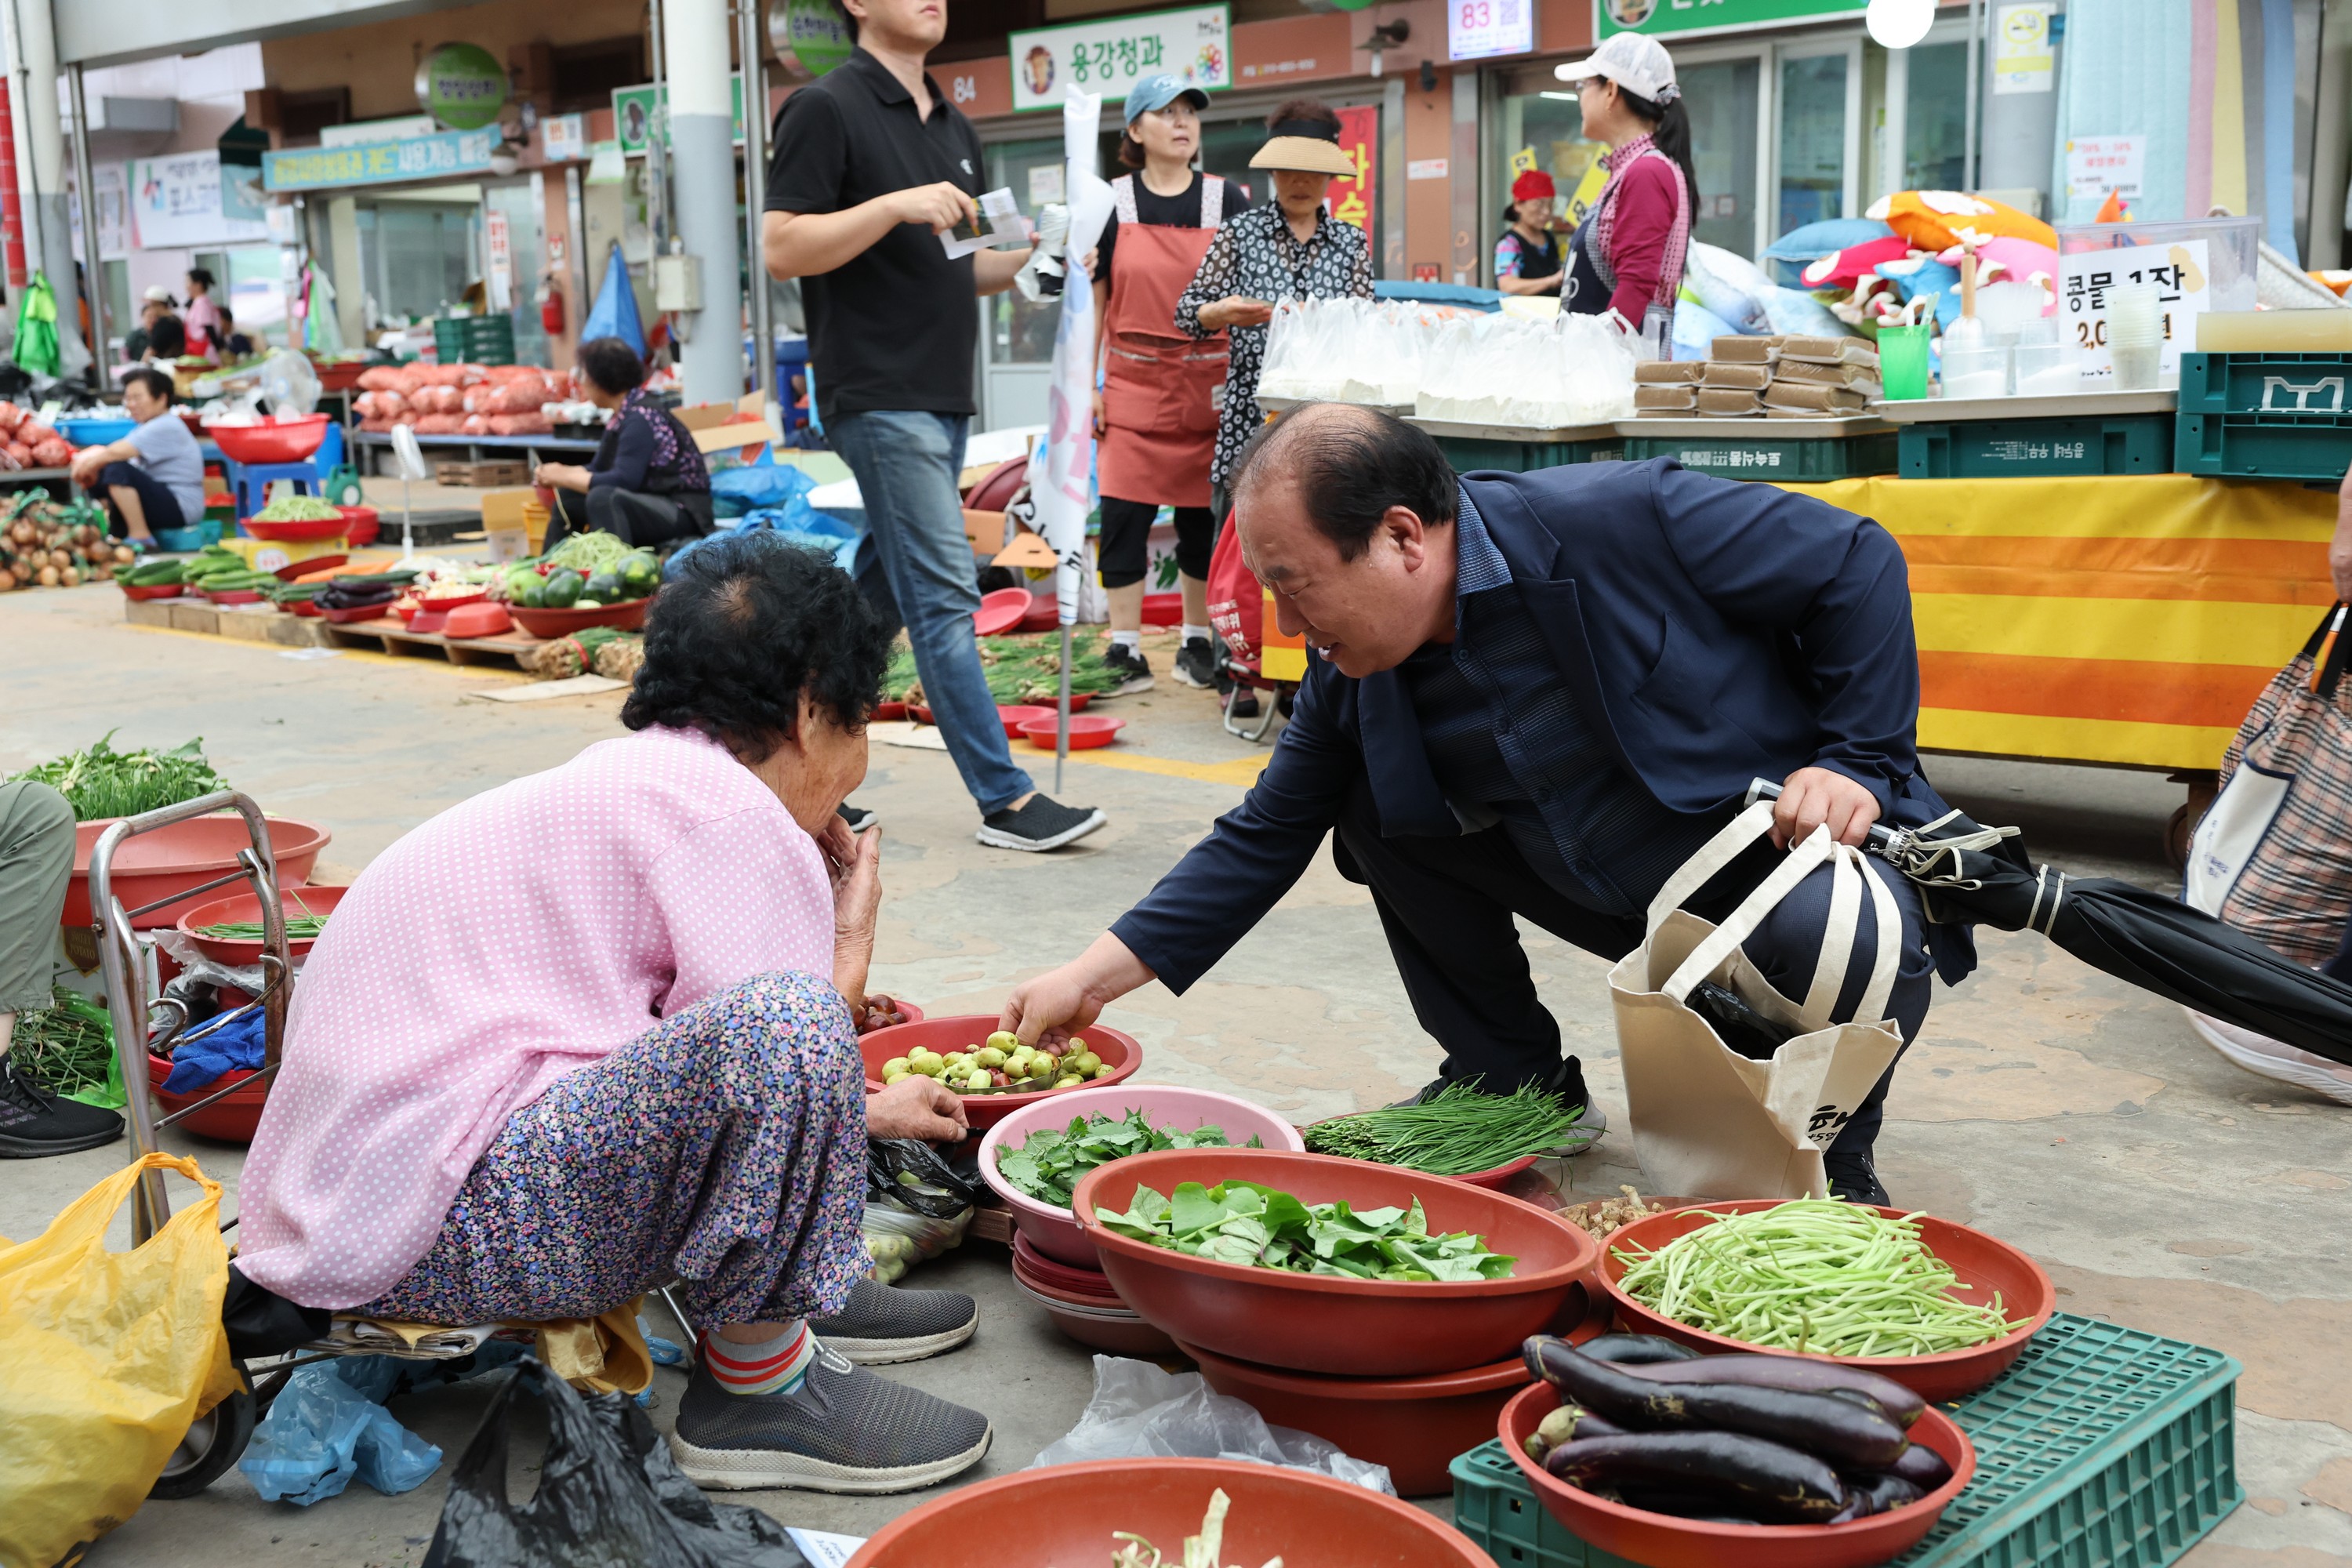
x: 1975, y: 875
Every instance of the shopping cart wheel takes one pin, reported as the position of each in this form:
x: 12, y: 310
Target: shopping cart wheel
x: 213, y: 1443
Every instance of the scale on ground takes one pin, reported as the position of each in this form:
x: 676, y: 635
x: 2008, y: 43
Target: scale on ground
x: 408, y: 458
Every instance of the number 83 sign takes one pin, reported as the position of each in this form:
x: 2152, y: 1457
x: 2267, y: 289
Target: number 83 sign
x: 1477, y: 29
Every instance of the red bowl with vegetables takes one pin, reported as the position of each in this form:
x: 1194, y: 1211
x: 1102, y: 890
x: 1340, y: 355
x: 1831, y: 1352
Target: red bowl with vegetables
x: 1317, y: 1322
x: 244, y: 908
x: 1121, y: 1053
x: 296, y: 528
x: 1666, y: 1541
x: 1982, y: 1262
x: 1066, y: 1514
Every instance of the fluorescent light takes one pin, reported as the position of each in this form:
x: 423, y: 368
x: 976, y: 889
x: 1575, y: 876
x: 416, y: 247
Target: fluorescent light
x: 1563, y: 97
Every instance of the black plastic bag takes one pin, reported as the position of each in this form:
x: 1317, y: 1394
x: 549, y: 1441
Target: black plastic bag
x: 909, y: 1173
x: 609, y: 1496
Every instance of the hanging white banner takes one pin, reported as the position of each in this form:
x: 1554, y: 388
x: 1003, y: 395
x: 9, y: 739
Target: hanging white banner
x: 1061, y: 470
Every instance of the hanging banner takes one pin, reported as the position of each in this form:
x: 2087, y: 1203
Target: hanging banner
x: 380, y: 163
x: 1108, y: 56
x: 1351, y: 195
x: 175, y: 203
x: 1684, y: 19
x: 1062, y: 466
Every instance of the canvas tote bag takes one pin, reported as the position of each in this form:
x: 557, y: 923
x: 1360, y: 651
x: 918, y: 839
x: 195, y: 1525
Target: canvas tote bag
x: 1707, y: 1122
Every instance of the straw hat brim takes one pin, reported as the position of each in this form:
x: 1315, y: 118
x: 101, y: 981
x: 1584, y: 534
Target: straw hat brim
x: 1303, y: 153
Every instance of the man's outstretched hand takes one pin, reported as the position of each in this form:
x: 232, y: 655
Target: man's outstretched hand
x: 1812, y: 797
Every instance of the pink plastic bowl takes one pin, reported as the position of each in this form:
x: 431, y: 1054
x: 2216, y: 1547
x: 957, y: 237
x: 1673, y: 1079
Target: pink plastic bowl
x: 1052, y: 1231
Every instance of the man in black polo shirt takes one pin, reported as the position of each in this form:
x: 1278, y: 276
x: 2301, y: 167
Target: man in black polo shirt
x: 871, y: 164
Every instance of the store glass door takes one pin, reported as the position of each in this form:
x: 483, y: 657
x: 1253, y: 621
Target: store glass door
x: 1817, y: 148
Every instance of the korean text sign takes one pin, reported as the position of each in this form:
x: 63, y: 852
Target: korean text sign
x: 1352, y: 196
x: 2087, y: 280
x: 1111, y: 56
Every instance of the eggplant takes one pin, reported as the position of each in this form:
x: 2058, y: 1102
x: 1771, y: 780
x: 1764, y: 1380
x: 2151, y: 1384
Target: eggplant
x: 1565, y: 1425
x: 1839, y: 1430
x: 1750, y: 1476
x: 1799, y: 1374
x: 1921, y: 1467
x: 1884, y: 1492
x: 1636, y: 1350
x: 1683, y: 1502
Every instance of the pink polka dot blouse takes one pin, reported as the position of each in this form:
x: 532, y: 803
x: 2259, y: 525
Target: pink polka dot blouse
x: 506, y: 941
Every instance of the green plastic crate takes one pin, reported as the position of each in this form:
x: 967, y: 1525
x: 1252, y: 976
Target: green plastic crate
x: 1468, y: 453
x: 1738, y: 454
x: 2102, y: 1448
x: 2266, y: 417
x: 2037, y: 448
x: 481, y: 339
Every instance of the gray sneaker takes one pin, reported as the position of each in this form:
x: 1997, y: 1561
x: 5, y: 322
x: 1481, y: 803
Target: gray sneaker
x: 845, y: 1429
x: 882, y: 1324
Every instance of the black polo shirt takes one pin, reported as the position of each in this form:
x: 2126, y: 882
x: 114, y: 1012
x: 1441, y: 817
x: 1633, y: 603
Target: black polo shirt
x: 894, y: 327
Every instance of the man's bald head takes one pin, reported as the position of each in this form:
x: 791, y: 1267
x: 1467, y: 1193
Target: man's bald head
x: 1350, y: 465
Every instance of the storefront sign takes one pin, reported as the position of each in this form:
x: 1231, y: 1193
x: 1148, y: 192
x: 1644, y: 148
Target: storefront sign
x: 2022, y: 60
x: 1475, y: 29
x: 380, y: 163
x: 1687, y: 16
x: 639, y: 113
x: 1111, y: 56
x: 1351, y: 195
x: 461, y: 86
x: 565, y: 138
x: 2086, y: 283
x: 811, y: 37
x: 175, y: 203
x: 2096, y: 165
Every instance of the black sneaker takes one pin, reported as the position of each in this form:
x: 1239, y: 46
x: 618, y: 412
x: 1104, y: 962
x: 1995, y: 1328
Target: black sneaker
x: 34, y: 1122
x: 858, y: 817
x: 1043, y: 824
x: 882, y: 1324
x: 1196, y: 664
x: 845, y: 1429
x: 1133, y: 670
x: 1853, y: 1178
x: 1567, y: 1081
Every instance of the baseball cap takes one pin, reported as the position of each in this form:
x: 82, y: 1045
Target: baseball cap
x: 1159, y: 92
x: 1634, y: 61
x: 158, y: 295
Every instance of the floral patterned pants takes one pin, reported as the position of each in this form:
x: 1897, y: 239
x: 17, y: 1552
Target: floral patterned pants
x: 724, y: 1148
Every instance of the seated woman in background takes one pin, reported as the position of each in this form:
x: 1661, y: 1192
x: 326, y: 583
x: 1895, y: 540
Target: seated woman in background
x: 167, y: 340
x: 647, y: 484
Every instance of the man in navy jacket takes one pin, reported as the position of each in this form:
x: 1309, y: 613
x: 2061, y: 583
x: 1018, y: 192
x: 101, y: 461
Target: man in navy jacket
x: 1537, y: 695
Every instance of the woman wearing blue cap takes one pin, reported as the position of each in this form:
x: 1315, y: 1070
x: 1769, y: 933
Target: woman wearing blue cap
x: 1156, y: 416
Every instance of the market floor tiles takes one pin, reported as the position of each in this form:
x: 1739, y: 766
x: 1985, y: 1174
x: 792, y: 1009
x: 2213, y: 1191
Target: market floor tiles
x: 2046, y: 1103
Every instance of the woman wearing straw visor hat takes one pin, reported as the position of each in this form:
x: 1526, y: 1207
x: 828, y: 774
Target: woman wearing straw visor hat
x: 1627, y: 255
x: 1156, y: 414
x: 1290, y: 249
x: 1528, y: 257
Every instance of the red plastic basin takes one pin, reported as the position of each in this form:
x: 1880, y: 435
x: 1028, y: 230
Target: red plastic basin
x: 279, y: 441
x: 1015, y: 714
x: 1000, y: 612
x: 1065, y: 1514
x: 1087, y: 731
x: 1663, y: 1541
x: 627, y: 616
x: 304, y: 528
x: 1980, y: 1260
x: 186, y: 855
x: 360, y: 524
x: 1052, y: 1231
x: 1103, y: 1325
x: 1315, y: 1322
x: 233, y: 1119
x: 1414, y: 1425
x: 152, y: 590
x: 1053, y: 1275
x: 1121, y: 1052
x: 238, y: 908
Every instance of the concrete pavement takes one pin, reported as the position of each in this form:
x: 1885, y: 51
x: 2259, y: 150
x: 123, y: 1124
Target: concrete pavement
x: 2046, y: 1103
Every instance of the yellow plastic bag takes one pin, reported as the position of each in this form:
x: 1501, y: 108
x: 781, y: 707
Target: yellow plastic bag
x: 105, y: 1358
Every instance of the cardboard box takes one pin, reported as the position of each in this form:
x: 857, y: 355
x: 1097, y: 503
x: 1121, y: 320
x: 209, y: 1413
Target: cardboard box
x: 985, y: 529
x: 746, y: 437
x: 514, y: 521
x: 276, y: 555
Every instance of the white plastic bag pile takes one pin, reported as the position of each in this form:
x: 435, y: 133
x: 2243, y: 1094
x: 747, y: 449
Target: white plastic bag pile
x: 1346, y: 350
x: 1503, y: 370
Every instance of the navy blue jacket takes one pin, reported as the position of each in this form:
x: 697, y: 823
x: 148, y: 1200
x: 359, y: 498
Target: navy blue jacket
x: 1715, y: 631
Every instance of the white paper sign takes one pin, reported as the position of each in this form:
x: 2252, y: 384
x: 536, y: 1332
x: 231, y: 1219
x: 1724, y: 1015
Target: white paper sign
x: 175, y: 203
x: 1044, y: 183
x: 2183, y: 279
x: 1108, y: 56
x: 2098, y: 165
x: 498, y: 240
x: 565, y: 137
x: 1475, y: 29
x: 2022, y: 60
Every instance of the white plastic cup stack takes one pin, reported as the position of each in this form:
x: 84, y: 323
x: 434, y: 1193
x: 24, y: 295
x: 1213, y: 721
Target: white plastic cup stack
x: 2135, y: 336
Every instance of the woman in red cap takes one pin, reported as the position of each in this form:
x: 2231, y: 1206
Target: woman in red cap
x: 1528, y: 257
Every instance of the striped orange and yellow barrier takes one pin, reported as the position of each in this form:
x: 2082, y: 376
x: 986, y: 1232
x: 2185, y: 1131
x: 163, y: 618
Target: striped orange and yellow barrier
x: 2128, y: 620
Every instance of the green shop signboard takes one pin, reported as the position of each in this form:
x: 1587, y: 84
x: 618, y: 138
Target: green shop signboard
x: 809, y: 36
x: 380, y: 163
x: 1684, y: 17
x: 641, y: 113
x: 461, y: 86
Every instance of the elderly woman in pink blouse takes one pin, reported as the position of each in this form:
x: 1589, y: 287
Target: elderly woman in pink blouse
x: 590, y: 1032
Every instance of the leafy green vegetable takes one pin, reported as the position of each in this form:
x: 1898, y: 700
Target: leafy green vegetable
x: 1047, y: 1167
x: 68, y: 1047
x: 1254, y: 1226
x: 1463, y: 1130
x: 103, y: 782
x: 1017, y: 669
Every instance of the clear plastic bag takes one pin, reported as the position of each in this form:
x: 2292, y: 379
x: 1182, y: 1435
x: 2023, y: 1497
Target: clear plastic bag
x: 1139, y: 1412
x: 917, y: 1205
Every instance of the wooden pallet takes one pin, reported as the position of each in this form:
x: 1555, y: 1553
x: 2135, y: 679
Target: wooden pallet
x: 391, y: 636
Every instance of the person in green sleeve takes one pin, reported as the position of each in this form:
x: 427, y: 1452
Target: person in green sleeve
x: 36, y: 853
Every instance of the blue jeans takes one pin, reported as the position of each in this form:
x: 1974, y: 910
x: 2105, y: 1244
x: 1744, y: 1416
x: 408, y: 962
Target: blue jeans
x: 905, y: 465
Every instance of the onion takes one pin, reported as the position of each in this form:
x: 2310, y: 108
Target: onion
x: 48, y: 578
x: 69, y: 578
